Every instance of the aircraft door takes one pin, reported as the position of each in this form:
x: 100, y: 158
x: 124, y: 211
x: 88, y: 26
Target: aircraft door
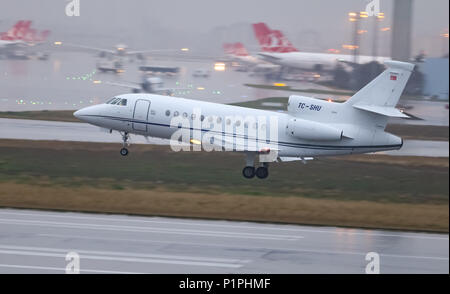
x: 140, y: 115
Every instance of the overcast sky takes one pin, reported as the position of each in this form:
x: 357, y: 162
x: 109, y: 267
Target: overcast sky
x: 320, y: 24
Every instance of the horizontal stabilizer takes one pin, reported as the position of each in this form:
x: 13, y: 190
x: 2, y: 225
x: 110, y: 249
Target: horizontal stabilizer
x: 382, y: 110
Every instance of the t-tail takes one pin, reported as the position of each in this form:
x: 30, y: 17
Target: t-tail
x: 381, y: 95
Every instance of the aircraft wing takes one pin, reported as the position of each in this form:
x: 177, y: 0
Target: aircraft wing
x: 151, y: 51
x: 91, y: 48
x: 130, y: 85
x: 243, y: 145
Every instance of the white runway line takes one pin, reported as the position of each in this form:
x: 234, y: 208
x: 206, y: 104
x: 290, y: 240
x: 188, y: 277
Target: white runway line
x: 269, y: 248
x: 236, y: 225
x: 125, y: 254
x: 219, y: 234
x: 63, y: 270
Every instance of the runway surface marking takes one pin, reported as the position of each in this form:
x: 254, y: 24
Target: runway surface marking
x: 57, y: 269
x: 252, y: 247
x: 34, y: 241
x: 243, y: 225
x: 114, y: 256
x: 219, y: 234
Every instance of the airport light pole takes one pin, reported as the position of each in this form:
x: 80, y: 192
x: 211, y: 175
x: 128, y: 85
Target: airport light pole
x: 355, y: 18
x: 444, y: 43
x: 378, y: 18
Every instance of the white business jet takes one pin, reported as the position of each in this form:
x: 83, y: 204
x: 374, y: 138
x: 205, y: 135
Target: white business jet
x: 310, y: 127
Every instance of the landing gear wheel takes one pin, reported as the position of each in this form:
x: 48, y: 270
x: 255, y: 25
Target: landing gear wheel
x: 248, y: 172
x: 125, y: 139
x: 124, y: 151
x: 262, y: 172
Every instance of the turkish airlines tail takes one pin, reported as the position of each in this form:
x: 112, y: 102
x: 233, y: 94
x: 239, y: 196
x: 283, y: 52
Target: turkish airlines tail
x: 22, y: 31
x: 272, y: 40
x: 17, y: 32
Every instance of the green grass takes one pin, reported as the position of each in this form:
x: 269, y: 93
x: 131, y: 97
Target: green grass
x: 150, y: 167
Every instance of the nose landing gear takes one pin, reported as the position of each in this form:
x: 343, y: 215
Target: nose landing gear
x: 126, y: 143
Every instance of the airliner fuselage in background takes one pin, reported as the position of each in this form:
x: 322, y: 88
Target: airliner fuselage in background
x: 310, y: 127
x: 315, y: 61
x: 277, y: 49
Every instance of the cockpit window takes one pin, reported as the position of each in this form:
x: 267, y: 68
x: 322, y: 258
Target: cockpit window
x: 117, y: 101
x: 114, y: 101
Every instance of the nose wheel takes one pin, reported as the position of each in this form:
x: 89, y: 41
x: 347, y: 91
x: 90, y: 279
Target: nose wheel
x: 125, y: 139
x: 124, y: 151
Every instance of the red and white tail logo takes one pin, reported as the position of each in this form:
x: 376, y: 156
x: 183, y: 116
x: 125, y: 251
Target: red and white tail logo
x: 22, y: 31
x: 17, y: 32
x: 272, y: 40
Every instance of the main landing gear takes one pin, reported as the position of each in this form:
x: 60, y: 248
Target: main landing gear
x: 249, y: 170
x: 126, y: 143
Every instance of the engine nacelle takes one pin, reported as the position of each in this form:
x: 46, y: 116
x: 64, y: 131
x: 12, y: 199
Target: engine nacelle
x: 307, y: 106
x: 311, y: 130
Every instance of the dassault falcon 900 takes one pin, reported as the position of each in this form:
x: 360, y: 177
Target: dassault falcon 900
x: 310, y: 127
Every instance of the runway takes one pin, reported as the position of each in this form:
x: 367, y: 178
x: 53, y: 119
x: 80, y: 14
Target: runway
x: 38, y: 241
x: 66, y: 131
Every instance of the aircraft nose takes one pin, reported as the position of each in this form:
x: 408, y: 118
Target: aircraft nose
x: 77, y: 114
x: 86, y: 114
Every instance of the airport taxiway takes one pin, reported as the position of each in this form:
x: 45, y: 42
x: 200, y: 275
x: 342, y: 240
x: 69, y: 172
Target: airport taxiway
x: 69, y: 131
x: 38, y: 242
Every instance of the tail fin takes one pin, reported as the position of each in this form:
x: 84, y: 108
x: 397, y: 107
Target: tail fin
x: 272, y: 40
x: 261, y: 31
x: 240, y: 50
x: 228, y: 48
x: 21, y: 29
x: 237, y: 49
x: 15, y: 32
x: 381, y: 95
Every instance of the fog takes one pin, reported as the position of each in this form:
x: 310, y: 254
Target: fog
x: 205, y: 24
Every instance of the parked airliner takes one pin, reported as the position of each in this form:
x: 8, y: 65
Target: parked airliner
x: 310, y: 127
x: 277, y: 49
